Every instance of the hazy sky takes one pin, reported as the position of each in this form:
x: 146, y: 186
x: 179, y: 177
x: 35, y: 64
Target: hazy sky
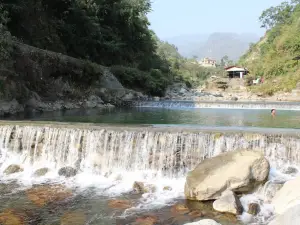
x: 177, y: 17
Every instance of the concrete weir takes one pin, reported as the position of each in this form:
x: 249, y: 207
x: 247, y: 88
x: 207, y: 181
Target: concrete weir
x: 169, y: 150
x: 220, y: 105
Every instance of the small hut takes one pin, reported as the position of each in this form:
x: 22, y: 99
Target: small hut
x: 236, y: 72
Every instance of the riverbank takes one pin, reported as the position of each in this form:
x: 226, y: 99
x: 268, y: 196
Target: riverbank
x: 224, y: 89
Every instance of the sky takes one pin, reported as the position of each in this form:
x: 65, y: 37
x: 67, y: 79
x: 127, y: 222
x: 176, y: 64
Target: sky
x: 171, y: 18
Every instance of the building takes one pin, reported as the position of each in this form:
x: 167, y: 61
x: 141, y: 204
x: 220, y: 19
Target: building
x: 207, y: 62
x: 236, y: 72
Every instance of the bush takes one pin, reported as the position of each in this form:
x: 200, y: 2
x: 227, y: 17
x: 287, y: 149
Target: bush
x: 151, y: 83
x: 5, y: 37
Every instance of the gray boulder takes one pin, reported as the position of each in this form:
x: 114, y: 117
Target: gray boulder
x: 67, y: 172
x: 13, y: 169
x: 41, y: 172
x: 290, y: 217
x: 238, y: 171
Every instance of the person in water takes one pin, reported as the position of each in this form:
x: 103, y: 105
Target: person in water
x: 273, y: 112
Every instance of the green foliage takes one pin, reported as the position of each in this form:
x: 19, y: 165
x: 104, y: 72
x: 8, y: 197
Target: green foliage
x: 5, y: 37
x: 106, y: 32
x: 272, y: 56
x: 225, y: 61
x: 152, y: 83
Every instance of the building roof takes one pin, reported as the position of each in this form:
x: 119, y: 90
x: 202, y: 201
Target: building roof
x: 235, y: 68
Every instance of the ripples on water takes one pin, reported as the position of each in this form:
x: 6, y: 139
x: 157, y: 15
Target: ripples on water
x: 93, y: 190
x: 206, y: 117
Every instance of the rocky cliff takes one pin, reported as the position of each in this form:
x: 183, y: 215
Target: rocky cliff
x: 45, y: 80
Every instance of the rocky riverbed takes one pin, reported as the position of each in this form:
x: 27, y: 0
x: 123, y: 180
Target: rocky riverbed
x: 180, y: 91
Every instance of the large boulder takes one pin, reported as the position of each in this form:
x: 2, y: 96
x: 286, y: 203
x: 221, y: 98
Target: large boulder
x: 288, y: 196
x: 290, y: 217
x: 10, y: 107
x: 238, y: 171
x: 228, y: 203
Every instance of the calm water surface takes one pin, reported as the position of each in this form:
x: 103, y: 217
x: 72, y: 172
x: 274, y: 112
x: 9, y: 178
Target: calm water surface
x: 205, y: 117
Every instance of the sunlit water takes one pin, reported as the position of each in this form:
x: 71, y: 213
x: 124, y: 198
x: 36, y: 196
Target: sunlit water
x: 207, y: 117
x: 92, y: 187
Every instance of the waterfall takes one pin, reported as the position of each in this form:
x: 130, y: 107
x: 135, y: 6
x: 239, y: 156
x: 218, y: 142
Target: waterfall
x: 221, y: 105
x: 103, y: 150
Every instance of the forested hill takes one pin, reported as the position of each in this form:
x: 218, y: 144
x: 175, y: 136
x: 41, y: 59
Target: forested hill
x: 112, y: 33
x: 272, y: 57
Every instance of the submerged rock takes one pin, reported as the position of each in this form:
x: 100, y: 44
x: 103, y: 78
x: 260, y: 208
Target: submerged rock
x: 67, y: 172
x: 239, y: 171
x: 119, y: 204
x: 228, y: 202
x: 204, y: 222
x: 288, y: 196
x: 141, y: 188
x: 146, y: 220
x: 14, y: 217
x: 167, y: 188
x: 46, y: 194
x: 13, y: 169
x: 253, y: 209
x: 179, y: 209
x: 73, y: 218
x: 41, y: 172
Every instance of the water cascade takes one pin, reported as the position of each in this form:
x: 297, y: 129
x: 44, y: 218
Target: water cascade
x: 103, y: 150
x: 112, y: 158
x: 221, y: 105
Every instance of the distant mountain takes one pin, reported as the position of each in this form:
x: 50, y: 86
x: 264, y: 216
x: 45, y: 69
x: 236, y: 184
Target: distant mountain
x: 215, y: 45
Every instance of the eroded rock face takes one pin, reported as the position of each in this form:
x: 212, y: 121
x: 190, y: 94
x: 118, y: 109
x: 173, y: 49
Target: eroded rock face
x: 288, y: 196
x: 93, y: 102
x: 238, y: 171
x: 229, y: 203
x: 10, y: 107
x: 67, y: 172
x: 13, y: 169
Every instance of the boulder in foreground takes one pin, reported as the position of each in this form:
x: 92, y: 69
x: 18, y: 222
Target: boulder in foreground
x: 288, y: 196
x: 290, y: 217
x: 238, y: 171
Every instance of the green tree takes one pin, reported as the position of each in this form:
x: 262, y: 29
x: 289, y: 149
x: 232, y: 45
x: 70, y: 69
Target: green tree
x: 5, y: 37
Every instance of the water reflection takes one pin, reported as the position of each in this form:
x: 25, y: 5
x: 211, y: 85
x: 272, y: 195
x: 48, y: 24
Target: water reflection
x: 205, y: 117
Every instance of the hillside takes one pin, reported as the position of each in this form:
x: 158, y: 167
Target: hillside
x: 65, y: 54
x: 215, y: 45
x: 272, y: 57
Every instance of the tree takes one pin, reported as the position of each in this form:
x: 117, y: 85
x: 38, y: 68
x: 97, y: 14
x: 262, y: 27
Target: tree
x: 278, y: 15
x: 5, y: 37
